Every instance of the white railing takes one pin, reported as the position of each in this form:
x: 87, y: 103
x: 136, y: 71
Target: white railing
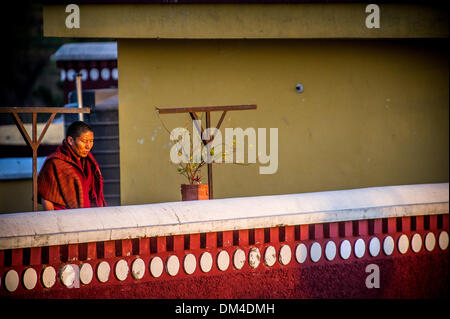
x: 36, y: 229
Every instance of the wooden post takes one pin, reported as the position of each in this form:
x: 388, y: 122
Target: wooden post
x: 210, y: 178
x: 35, y: 148
x: 79, y: 96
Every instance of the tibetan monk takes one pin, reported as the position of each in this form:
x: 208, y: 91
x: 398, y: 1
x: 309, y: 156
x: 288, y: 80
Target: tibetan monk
x: 70, y: 177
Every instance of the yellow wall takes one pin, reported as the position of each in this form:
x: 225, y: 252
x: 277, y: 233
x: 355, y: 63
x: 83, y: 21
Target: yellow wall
x: 260, y: 21
x: 16, y: 196
x: 373, y: 112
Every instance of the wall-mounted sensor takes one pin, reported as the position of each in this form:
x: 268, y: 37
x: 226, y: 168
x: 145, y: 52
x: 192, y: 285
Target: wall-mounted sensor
x: 299, y: 88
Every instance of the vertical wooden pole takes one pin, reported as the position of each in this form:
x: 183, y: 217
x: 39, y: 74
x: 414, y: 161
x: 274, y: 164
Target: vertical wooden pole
x: 34, y: 146
x: 210, y: 179
x: 79, y: 96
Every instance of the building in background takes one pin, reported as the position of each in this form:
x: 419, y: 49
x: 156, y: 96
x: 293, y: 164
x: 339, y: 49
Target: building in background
x: 97, y: 63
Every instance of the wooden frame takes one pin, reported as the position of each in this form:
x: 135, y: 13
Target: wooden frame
x: 35, y: 141
x: 207, y: 109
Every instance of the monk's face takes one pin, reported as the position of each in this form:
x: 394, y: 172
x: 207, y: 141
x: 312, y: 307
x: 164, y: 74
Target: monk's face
x: 82, y: 145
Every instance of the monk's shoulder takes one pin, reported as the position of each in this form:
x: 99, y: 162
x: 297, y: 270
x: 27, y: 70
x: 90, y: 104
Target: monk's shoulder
x: 56, y: 163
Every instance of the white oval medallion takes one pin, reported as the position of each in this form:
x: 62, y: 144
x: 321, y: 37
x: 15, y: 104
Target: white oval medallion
x: 374, y: 247
x: 71, y: 75
x: 63, y: 75
x: 345, y: 249
x: 416, y: 243
x: 156, y: 267
x: 315, y: 252
x: 94, y: 74
x: 172, y: 265
x: 48, y: 277
x: 430, y: 241
x: 239, y: 259
x: 105, y: 74
x: 388, y: 245
x: 115, y: 74
x: 360, y: 248
x: 270, y: 256
x: 206, y: 261
x: 67, y: 275
x: 330, y: 250
x: 254, y: 257
x: 121, y: 270
x: 11, y: 280
x: 189, y: 264
x: 301, y: 252
x: 403, y: 244
x: 84, y: 74
x: 29, y: 278
x: 285, y: 255
x: 103, y: 271
x: 138, y: 268
x: 86, y: 273
x: 223, y: 260
x: 443, y: 240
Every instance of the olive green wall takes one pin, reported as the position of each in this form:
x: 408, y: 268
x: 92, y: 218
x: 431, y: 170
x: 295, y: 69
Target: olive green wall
x: 16, y: 196
x: 373, y: 112
x: 249, y: 20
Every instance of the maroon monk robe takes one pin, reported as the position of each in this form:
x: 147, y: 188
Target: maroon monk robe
x: 70, y: 182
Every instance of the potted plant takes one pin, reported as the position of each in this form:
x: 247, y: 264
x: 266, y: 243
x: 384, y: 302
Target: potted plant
x: 190, y: 166
x: 194, y: 190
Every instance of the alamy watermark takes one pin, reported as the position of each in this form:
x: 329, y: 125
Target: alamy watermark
x: 372, y: 20
x: 215, y: 151
x: 373, y: 279
x: 73, y: 18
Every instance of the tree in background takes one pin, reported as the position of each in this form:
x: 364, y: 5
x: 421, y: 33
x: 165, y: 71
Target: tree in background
x: 28, y: 77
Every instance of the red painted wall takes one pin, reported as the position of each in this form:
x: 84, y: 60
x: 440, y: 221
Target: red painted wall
x: 422, y: 274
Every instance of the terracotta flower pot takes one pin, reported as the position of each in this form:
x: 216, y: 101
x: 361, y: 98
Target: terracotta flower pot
x: 194, y: 192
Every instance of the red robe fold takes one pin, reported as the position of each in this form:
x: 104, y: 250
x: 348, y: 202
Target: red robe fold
x: 70, y: 182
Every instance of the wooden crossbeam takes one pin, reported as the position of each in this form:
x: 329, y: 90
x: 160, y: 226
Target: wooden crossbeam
x: 31, y: 109
x: 206, y: 109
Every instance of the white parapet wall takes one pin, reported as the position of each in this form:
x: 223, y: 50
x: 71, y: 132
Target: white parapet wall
x: 34, y: 229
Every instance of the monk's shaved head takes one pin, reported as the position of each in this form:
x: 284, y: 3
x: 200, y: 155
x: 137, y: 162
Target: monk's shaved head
x: 77, y: 128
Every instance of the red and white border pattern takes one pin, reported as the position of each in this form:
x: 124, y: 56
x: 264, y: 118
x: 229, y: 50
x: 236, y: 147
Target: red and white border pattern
x: 33, y: 271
